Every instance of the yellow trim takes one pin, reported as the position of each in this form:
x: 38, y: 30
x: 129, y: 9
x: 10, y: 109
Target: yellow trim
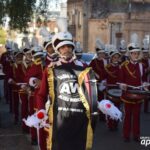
x: 129, y: 102
x: 50, y: 112
x: 126, y: 62
x: 130, y: 72
x: 110, y: 73
x: 89, y: 139
x: 38, y: 61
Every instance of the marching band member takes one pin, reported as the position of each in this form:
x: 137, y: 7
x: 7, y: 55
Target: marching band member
x: 132, y: 73
x: 33, y: 77
x: 51, y: 56
x: 68, y: 110
x: 17, y: 77
x: 98, y: 65
x: 7, y: 61
x: 112, y: 71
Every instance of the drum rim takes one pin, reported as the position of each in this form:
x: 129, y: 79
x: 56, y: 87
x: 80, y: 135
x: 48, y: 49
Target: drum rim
x: 114, y: 95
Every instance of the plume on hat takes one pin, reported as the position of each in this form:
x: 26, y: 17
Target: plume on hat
x: 78, y: 48
x: 34, y: 42
x: 145, y: 43
x: 123, y: 44
x: 44, y: 32
x: 112, y: 48
x: 135, y: 39
x: 99, y: 44
x: 62, y: 24
x: 26, y: 42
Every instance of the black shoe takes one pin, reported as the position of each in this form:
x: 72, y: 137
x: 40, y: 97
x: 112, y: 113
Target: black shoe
x: 34, y: 142
x: 126, y: 139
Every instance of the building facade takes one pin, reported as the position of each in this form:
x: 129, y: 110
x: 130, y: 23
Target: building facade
x: 110, y: 20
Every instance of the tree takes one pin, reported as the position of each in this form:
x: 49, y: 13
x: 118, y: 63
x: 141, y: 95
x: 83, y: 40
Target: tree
x: 21, y: 11
x: 2, y: 10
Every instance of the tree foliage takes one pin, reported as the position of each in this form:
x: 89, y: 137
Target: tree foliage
x: 21, y: 12
x: 2, y: 36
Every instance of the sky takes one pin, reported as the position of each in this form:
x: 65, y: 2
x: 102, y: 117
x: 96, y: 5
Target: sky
x: 54, y: 4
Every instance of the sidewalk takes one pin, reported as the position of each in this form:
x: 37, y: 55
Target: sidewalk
x: 11, y: 136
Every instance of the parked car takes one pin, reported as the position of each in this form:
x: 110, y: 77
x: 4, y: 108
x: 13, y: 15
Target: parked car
x: 87, y: 57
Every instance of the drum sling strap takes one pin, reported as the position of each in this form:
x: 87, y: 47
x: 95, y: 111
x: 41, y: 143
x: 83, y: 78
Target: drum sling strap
x: 89, y: 140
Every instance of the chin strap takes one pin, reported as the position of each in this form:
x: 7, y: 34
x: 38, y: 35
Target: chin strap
x: 64, y: 59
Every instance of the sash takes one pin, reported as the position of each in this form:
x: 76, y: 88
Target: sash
x: 72, y: 91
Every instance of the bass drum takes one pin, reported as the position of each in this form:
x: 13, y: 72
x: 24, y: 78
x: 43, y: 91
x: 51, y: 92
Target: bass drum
x: 90, y: 89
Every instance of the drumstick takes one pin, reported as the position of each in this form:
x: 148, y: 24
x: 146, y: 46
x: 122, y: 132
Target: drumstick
x: 143, y: 85
x: 113, y: 85
x: 134, y: 87
x: 21, y: 83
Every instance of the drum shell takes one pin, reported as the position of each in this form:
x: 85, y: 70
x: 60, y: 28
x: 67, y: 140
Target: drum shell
x: 132, y: 97
x: 113, y: 98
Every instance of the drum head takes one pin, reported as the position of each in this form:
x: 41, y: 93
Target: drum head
x: 114, y: 92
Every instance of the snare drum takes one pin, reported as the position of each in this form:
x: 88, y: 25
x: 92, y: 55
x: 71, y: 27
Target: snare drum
x: 135, y: 95
x: 114, y: 95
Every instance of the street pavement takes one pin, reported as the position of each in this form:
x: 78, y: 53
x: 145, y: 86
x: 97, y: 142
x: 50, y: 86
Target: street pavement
x: 12, y: 138
x: 113, y: 140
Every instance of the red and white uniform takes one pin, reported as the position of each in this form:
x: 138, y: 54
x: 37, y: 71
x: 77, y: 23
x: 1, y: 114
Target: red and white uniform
x: 131, y: 74
x: 112, y: 72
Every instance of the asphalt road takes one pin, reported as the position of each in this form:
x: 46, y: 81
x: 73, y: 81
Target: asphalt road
x: 113, y: 140
x: 11, y: 137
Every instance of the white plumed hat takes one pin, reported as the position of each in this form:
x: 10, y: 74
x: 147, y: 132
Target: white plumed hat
x: 134, y: 45
x: 99, y: 45
x: 63, y: 37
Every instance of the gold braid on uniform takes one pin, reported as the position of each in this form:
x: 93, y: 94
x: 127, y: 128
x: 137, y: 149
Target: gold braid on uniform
x: 110, y: 73
x: 38, y: 61
x: 50, y: 111
x: 126, y: 66
x: 89, y: 139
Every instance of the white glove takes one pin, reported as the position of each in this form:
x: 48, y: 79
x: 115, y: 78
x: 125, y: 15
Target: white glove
x: 102, y: 85
x: 145, y: 85
x: 11, y: 81
x: 123, y: 86
x: 32, y: 81
x: 23, y: 86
